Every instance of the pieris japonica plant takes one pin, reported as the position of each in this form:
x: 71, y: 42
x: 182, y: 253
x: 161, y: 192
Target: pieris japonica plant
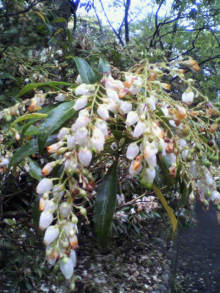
x: 144, y: 121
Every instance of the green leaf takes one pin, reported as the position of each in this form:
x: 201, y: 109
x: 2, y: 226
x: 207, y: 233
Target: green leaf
x: 35, y: 170
x: 32, y: 86
x: 24, y: 151
x: 104, y: 66
x: 105, y: 205
x: 168, y: 209
x: 31, y: 130
x: 86, y: 73
x: 37, y: 116
x: 56, y: 118
x: 5, y: 75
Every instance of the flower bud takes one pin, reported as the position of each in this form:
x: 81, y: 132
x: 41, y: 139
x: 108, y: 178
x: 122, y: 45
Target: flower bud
x: 44, y: 185
x: 84, y: 89
x: 46, y: 218
x: 132, y: 118
x: 125, y: 107
x: 132, y: 151
x: 73, y: 257
x: 187, y: 97
x: 139, y: 129
x: 98, y: 139
x: 50, y: 235
x: 65, y: 209
x: 47, y: 169
x: 85, y: 156
x: 103, y: 111
x: 66, y: 267
x: 63, y: 132
x: 80, y: 103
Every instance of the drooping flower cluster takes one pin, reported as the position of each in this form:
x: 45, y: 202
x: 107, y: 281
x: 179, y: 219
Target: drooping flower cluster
x: 158, y: 135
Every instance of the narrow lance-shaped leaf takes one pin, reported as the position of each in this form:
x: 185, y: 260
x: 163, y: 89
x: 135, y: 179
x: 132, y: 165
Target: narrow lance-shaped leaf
x: 104, y: 66
x: 35, y: 170
x: 168, y: 209
x: 36, y: 116
x: 86, y: 73
x: 105, y: 205
x: 56, y: 118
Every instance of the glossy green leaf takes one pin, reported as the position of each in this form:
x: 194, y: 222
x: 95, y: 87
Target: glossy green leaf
x: 105, y: 205
x: 86, y: 73
x: 104, y: 66
x: 35, y: 170
x: 36, y: 116
x: 56, y: 118
x: 33, y: 86
x: 24, y: 151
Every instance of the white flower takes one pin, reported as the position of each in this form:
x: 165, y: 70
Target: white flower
x: 80, y: 103
x: 65, y: 209
x: 66, y: 267
x: 112, y: 95
x: 80, y: 122
x: 103, y: 111
x: 182, y: 143
x: 187, y: 97
x: 102, y: 125
x: 132, y: 118
x: 152, y: 102
x: 139, y: 129
x: 132, y: 151
x: 78, y: 79
x: 70, y: 228
x: 215, y: 196
x: 44, y: 185
x: 50, y: 205
x: 60, y: 97
x: 125, y: 107
x: 63, y: 132
x: 134, y: 171
x: 150, y: 152
x: 172, y: 158
x: 51, y: 234
x: 84, y: 89
x: 71, y: 141
x: 150, y: 175
x: 98, y: 139
x: 208, y: 178
x: 73, y: 257
x: 4, y: 162
x: 111, y: 83
x: 81, y: 136
x: 85, y: 156
x: 46, y: 218
x: 112, y: 106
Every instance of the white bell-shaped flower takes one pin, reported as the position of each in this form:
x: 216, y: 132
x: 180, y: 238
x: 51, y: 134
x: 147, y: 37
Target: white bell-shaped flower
x: 215, y: 196
x: 98, y: 139
x: 66, y: 267
x: 139, y: 129
x: 63, y: 132
x: 44, y: 185
x: 73, y: 257
x: 102, y: 125
x: 60, y: 97
x: 85, y: 156
x: 151, y: 101
x: 69, y: 228
x: 132, y: 151
x: 46, y: 218
x: 132, y: 118
x: 65, y: 210
x: 50, y: 205
x: 50, y: 235
x: 4, y: 162
x: 81, y: 136
x: 84, y: 89
x: 125, y: 107
x: 111, y: 94
x: 150, y: 152
x: 133, y: 170
x: 150, y: 175
x: 71, y: 141
x: 188, y: 97
x: 103, y: 111
x: 80, y: 103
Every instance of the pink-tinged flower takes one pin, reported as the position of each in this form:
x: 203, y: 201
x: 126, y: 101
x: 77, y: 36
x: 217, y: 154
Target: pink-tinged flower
x: 50, y: 235
x: 132, y: 151
x: 125, y: 107
x: 150, y: 175
x: 98, y: 139
x: 112, y: 106
x: 84, y: 89
x: 132, y: 118
x: 80, y: 103
x: 135, y: 167
x: 103, y: 111
x: 66, y: 267
x: 65, y: 210
x: 85, y: 156
x: 73, y: 240
x: 188, y: 97
x: 139, y: 129
x: 81, y: 136
x: 46, y: 218
x: 44, y: 185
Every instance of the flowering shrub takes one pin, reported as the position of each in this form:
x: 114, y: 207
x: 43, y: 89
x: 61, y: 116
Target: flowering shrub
x: 164, y: 133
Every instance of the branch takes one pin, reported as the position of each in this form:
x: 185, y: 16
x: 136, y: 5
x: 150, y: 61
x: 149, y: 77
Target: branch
x: 127, y: 6
x: 98, y: 19
x: 113, y: 29
x: 209, y: 59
